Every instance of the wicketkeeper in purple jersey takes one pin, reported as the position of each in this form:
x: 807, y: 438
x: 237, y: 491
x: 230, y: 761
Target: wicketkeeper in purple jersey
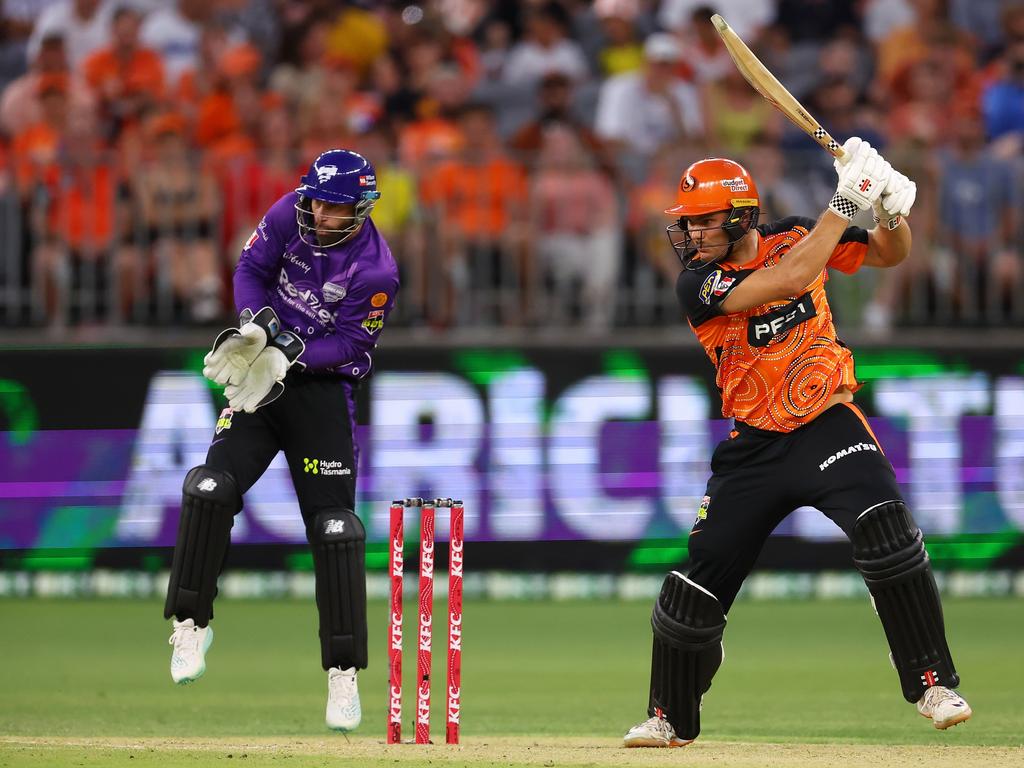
x: 313, y: 289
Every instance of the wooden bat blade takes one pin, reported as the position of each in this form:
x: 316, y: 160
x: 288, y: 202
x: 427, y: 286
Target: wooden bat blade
x: 765, y: 83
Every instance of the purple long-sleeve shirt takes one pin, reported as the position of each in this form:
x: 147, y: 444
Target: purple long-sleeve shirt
x: 336, y: 299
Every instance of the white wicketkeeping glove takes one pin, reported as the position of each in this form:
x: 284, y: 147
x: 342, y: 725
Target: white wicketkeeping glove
x: 235, y: 349
x: 863, y: 176
x: 897, y: 200
x: 267, y: 369
x: 264, y: 381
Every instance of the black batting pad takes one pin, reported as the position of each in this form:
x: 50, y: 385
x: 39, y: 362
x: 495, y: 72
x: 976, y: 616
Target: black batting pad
x: 209, y: 503
x: 888, y: 550
x: 688, y: 623
x: 338, y: 540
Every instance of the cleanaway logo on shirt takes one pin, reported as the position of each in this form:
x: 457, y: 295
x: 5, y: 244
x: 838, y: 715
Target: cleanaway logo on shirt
x: 855, y: 448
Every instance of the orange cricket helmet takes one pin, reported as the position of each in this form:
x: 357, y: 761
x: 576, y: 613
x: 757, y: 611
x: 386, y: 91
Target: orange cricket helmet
x: 707, y: 186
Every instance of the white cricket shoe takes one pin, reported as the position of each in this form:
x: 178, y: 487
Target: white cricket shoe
x: 343, y: 709
x: 945, y: 707
x: 653, y: 732
x: 188, y: 660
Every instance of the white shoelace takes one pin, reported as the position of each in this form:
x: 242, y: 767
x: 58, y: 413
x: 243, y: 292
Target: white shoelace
x: 660, y: 726
x: 184, y: 639
x: 938, y: 694
x: 341, y: 686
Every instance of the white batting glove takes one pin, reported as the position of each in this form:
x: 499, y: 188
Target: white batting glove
x: 863, y: 176
x: 897, y: 200
x: 266, y: 370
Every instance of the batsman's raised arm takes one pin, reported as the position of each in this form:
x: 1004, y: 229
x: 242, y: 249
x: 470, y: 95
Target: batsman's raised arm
x: 863, y: 177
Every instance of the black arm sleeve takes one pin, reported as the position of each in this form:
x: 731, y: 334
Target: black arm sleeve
x: 701, y: 292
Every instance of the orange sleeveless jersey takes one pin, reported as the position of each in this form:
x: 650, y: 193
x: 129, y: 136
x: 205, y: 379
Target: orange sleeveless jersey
x: 777, y: 363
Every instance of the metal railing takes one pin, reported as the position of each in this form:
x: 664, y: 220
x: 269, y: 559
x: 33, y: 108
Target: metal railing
x: 85, y: 245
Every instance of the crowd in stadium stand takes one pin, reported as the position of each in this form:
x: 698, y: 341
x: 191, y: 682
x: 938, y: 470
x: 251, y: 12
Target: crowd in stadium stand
x: 525, y: 150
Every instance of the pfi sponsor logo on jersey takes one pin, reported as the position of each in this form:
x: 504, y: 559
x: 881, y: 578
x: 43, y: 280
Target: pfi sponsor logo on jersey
x: 762, y: 329
x: 855, y: 448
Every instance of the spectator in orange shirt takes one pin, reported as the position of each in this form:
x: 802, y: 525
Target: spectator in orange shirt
x: 127, y: 78
x: 435, y: 134
x: 478, y: 202
x: 229, y: 109
x: 195, y: 84
x: 37, y: 146
x: 83, y: 271
x: 179, y: 206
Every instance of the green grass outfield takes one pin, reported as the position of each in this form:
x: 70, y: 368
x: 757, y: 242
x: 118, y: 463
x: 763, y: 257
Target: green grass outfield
x: 551, y: 683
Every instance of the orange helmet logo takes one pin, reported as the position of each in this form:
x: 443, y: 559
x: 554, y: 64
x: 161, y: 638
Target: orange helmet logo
x: 714, y: 184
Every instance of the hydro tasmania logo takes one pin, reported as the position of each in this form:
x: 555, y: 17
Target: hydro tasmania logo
x: 326, y: 467
x: 855, y: 448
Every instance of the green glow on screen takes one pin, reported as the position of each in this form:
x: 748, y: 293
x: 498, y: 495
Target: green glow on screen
x: 975, y: 552
x: 657, y: 554
x: 299, y: 561
x: 902, y: 363
x: 481, y: 365
x: 22, y: 418
x: 57, y: 560
x: 624, y: 363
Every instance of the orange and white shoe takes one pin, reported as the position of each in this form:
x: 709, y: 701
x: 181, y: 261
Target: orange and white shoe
x: 944, y: 706
x: 653, y: 732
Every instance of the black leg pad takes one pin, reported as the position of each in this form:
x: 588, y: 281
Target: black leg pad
x: 888, y: 550
x: 209, y: 502
x: 338, y: 540
x: 688, y: 623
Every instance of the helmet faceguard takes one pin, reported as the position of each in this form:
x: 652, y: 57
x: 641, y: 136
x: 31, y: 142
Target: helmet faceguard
x: 336, y: 177
x: 709, y: 186
x: 738, y: 222
x: 339, y: 229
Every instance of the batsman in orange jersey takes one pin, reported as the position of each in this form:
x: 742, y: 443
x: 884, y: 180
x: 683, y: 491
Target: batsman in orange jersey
x: 755, y: 297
